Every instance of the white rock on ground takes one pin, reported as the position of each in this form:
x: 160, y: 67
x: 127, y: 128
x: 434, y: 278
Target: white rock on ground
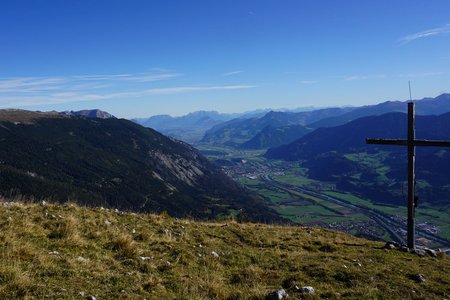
x: 82, y: 259
x: 277, y: 295
x: 431, y: 252
x: 308, y: 290
x: 145, y: 257
x: 419, y: 278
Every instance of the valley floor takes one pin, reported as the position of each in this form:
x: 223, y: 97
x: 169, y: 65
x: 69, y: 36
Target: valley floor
x: 288, y: 190
x: 70, y: 252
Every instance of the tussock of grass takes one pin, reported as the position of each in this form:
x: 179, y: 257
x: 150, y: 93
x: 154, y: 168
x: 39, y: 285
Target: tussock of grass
x: 58, y: 251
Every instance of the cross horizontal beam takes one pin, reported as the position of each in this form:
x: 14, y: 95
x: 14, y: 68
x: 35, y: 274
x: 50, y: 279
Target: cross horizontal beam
x: 405, y: 142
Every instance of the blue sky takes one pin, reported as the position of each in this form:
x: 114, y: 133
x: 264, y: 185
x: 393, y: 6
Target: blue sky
x: 141, y: 58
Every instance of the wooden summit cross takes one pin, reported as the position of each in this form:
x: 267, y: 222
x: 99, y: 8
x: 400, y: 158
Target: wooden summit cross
x: 411, y: 142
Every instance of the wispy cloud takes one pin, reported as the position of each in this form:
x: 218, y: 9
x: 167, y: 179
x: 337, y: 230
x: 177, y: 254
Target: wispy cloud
x: 23, y: 91
x: 364, y: 77
x: 308, y: 81
x: 31, y: 91
x: 427, y: 33
x: 189, y: 89
x: 67, y: 97
x: 80, y: 82
x: 233, y: 73
x: 129, y: 77
x: 89, y: 86
x: 30, y: 84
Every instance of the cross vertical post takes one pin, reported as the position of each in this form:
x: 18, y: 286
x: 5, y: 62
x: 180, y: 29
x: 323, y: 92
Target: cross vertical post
x: 411, y: 176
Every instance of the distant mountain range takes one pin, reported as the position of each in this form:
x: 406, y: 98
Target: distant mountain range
x: 340, y: 154
x: 198, y: 119
x: 275, y: 136
x: 189, y: 128
x: 263, y: 129
x: 115, y: 163
x: 258, y: 132
x: 425, y: 106
x: 239, y: 131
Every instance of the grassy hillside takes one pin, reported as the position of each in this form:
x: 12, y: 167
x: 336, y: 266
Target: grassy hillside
x: 71, y: 252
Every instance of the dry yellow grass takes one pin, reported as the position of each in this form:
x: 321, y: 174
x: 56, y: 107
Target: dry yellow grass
x: 66, y: 251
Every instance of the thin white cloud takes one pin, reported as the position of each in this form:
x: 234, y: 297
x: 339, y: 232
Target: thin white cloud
x: 67, y: 97
x: 154, y: 77
x: 233, y: 73
x: 80, y: 82
x: 101, y: 77
x: 427, y: 33
x: 128, y: 77
x: 189, y: 89
x: 308, y: 81
x: 364, y: 77
x: 24, y: 84
x: 89, y: 86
